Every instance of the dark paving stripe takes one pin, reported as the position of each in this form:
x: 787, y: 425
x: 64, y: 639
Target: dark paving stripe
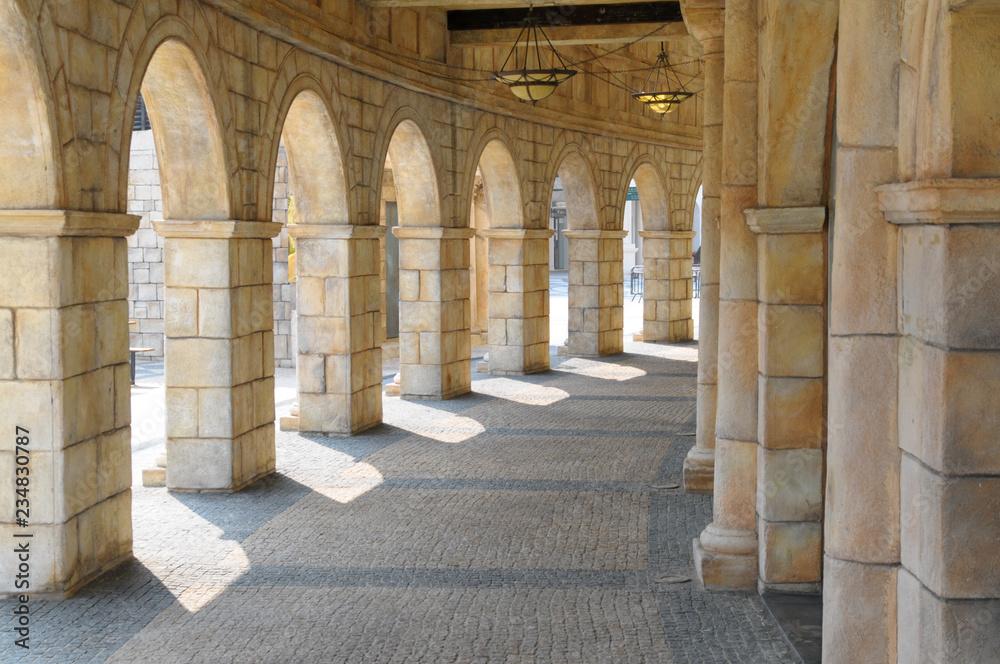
x: 391, y: 577
x: 515, y: 485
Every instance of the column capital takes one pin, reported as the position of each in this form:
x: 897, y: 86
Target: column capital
x: 595, y: 235
x: 706, y: 21
x: 432, y: 233
x: 780, y: 220
x: 66, y: 223
x: 336, y: 231
x: 941, y: 201
x: 518, y: 233
x: 667, y: 235
x: 218, y: 230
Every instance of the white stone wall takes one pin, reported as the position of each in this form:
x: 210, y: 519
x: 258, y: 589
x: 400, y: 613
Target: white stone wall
x: 145, y: 257
x: 145, y: 248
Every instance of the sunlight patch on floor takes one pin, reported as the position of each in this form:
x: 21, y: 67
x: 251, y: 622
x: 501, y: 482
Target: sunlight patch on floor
x: 603, y: 370
x: 525, y: 393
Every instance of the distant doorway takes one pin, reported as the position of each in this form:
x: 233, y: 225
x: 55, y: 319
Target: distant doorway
x: 391, y: 271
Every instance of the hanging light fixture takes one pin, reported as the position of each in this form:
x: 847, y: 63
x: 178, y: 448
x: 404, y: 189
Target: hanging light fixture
x: 662, y: 98
x: 537, y: 83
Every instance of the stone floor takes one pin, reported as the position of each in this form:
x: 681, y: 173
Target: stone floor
x: 529, y: 521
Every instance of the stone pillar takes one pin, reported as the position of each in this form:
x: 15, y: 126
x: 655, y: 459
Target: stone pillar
x: 667, y: 286
x: 861, y: 524
x: 435, y: 353
x: 596, y: 292
x: 219, y: 353
x: 708, y: 28
x: 949, y: 376
x: 339, y: 299
x: 64, y: 379
x: 791, y: 285
x: 519, y: 300
x: 726, y: 553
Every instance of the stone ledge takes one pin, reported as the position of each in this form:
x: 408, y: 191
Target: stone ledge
x: 66, y: 223
x: 432, y: 233
x: 218, y: 230
x: 517, y: 233
x: 596, y: 235
x: 942, y: 201
x: 336, y: 231
x: 667, y: 235
x: 785, y: 219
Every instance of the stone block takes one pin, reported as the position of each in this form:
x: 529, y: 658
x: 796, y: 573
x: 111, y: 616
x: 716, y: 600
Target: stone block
x: 790, y: 486
x: 215, y: 312
x: 950, y: 527
x: 418, y: 254
x: 197, y: 263
x: 38, y: 351
x: 791, y: 552
x: 862, y: 492
x: 420, y: 317
x: 792, y: 341
x: 735, y: 484
x: 311, y: 296
x: 114, y: 463
x: 322, y: 336
x: 111, y: 324
x: 181, y: 312
x: 77, y: 326
x: 6, y: 344
x: 859, y: 612
x: 948, y: 413
x: 933, y: 629
x: 328, y: 413
x: 182, y: 412
x: 737, y: 391
x: 198, y: 362
x: 199, y: 464
x: 32, y: 270
x: 790, y: 413
x: 791, y: 268
x: 316, y: 257
x: 421, y: 381
x: 215, y: 413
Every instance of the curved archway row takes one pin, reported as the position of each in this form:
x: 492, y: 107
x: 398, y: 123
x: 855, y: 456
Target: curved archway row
x: 217, y: 138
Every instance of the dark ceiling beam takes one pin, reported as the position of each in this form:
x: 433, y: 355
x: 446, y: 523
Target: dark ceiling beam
x: 569, y: 15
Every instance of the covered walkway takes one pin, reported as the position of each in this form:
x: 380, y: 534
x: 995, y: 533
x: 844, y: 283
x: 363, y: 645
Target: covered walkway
x: 528, y: 521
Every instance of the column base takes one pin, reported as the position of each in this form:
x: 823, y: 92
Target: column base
x: 699, y: 470
x: 726, y: 559
x: 815, y: 588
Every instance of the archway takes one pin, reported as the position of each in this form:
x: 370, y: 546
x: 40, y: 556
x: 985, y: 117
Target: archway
x: 434, y: 342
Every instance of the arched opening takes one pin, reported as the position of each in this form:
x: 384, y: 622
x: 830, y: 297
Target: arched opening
x: 175, y: 167
x: 574, y: 208
x: 647, y: 208
x: 433, y: 273
x: 29, y: 169
x: 309, y: 188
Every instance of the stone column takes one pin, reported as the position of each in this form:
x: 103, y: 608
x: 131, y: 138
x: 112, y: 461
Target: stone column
x: 64, y: 379
x: 667, y: 286
x: 435, y: 353
x: 596, y: 292
x: 519, y: 300
x: 791, y: 285
x: 339, y: 297
x: 861, y: 525
x: 726, y: 553
x: 708, y: 26
x: 949, y: 376
x: 219, y: 353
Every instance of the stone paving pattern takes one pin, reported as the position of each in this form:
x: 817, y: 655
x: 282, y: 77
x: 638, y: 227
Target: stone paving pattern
x: 519, y: 523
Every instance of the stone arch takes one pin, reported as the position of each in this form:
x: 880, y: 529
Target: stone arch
x: 298, y: 74
x: 30, y: 168
x: 654, y: 196
x: 315, y: 156
x: 502, y: 183
x: 182, y: 81
x: 579, y: 172
x: 415, y: 174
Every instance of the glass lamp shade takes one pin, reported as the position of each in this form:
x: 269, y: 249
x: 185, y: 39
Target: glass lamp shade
x: 661, y: 102
x: 533, y: 84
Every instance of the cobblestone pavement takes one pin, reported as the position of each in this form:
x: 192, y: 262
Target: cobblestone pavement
x: 526, y: 522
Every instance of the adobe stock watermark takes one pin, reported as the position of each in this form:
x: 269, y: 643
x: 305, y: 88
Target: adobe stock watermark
x: 22, y: 538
